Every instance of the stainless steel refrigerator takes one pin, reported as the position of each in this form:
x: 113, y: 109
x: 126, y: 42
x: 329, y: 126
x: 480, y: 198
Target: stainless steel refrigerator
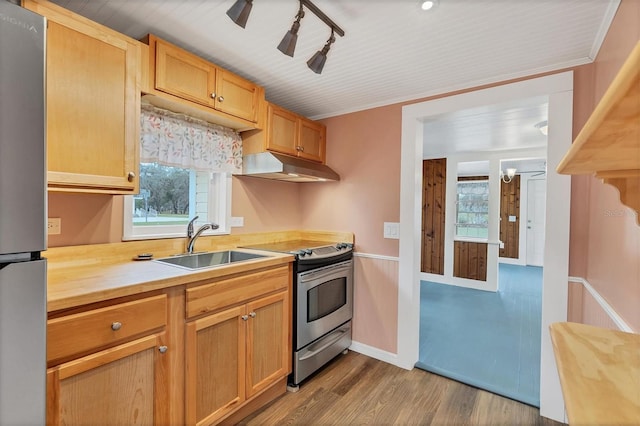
x: 23, y: 271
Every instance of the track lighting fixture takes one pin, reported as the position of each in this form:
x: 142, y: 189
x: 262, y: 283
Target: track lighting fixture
x: 316, y: 63
x: 239, y: 12
x: 288, y: 43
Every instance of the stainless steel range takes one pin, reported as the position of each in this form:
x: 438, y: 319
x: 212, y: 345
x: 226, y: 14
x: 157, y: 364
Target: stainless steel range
x: 322, y: 304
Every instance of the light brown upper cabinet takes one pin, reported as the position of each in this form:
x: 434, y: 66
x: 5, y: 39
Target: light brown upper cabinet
x: 93, y: 104
x: 287, y: 133
x: 178, y: 75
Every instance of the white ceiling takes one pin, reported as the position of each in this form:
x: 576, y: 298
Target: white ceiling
x: 391, y: 51
x: 488, y: 128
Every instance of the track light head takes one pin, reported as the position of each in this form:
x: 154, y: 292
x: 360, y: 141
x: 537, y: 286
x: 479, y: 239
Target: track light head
x: 288, y: 43
x: 239, y: 12
x: 316, y: 63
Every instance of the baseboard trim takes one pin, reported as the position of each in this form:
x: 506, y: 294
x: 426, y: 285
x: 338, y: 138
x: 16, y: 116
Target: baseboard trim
x: 376, y: 353
x: 376, y: 256
x: 617, y: 319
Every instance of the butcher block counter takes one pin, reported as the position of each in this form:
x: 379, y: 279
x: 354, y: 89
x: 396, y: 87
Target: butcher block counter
x: 79, y: 275
x: 599, y: 372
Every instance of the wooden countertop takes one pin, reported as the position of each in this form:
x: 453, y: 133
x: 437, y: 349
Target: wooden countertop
x: 74, y: 286
x: 599, y: 372
x: 79, y: 275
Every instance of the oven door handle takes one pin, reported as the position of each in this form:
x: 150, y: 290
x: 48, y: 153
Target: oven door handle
x: 332, y: 338
x: 325, y: 272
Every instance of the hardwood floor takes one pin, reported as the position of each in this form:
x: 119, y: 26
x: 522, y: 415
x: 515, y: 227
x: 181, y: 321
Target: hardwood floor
x: 355, y: 389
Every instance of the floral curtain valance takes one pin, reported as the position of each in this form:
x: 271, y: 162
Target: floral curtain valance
x: 180, y: 141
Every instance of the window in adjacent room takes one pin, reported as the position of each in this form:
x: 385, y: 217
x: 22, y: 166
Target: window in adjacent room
x: 472, y: 209
x: 185, y: 171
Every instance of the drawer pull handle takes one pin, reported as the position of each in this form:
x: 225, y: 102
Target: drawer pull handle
x: 245, y: 317
x: 252, y: 314
x: 213, y: 95
x: 163, y: 349
x: 116, y: 326
x: 220, y: 99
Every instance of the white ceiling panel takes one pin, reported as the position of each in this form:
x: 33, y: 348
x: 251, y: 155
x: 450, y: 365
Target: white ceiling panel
x: 391, y: 52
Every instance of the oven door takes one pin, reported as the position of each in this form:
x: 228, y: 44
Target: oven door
x: 325, y: 301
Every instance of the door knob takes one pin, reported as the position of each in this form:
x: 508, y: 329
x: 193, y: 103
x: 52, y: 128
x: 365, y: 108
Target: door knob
x: 131, y: 176
x: 220, y: 99
x: 213, y: 95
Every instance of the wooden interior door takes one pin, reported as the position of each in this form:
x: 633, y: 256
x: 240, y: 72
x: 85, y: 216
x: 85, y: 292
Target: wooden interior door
x: 184, y: 75
x: 267, y: 341
x: 434, y: 186
x: 236, y: 96
x: 215, y: 365
x: 510, y: 218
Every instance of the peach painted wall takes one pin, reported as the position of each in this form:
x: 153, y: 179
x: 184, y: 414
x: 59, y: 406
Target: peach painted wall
x: 613, y: 257
x: 364, y: 149
x: 96, y: 219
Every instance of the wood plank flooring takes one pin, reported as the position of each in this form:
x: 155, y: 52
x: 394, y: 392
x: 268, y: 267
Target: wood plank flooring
x: 355, y: 389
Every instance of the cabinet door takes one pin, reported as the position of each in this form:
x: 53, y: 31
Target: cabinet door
x: 282, y: 130
x: 312, y: 141
x: 124, y: 385
x: 215, y: 361
x: 268, y: 349
x: 184, y: 75
x: 93, y: 107
x: 236, y: 96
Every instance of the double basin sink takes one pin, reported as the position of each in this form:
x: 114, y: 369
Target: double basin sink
x: 209, y: 259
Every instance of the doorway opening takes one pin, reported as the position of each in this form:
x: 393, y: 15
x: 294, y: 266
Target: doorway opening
x: 559, y: 90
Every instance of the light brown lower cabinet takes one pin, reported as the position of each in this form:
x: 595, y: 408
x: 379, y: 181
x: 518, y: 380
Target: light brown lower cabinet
x: 123, y: 385
x: 193, y: 354
x: 233, y: 355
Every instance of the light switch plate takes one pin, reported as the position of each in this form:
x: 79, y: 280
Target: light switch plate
x: 54, y: 226
x: 237, y: 221
x: 392, y: 230
x: 512, y: 218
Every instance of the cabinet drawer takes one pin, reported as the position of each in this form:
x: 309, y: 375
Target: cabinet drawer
x: 215, y: 296
x: 78, y: 333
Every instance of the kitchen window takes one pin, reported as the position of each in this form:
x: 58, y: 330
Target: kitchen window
x: 185, y: 171
x: 171, y: 196
x: 472, y: 209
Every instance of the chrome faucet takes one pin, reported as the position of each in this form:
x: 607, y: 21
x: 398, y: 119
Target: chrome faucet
x: 194, y: 235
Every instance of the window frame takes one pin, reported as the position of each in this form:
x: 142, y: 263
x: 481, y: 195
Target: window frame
x: 459, y: 237
x: 219, y: 201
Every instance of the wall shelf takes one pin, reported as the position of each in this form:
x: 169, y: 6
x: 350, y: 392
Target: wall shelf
x: 599, y: 372
x: 609, y: 143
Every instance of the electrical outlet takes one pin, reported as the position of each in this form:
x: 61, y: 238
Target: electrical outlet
x: 392, y: 230
x: 237, y: 221
x: 54, y: 226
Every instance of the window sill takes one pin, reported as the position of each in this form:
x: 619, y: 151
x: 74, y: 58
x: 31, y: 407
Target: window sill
x: 180, y: 235
x: 471, y: 239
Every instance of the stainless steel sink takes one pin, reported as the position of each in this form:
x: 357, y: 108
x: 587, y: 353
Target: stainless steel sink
x: 209, y: 259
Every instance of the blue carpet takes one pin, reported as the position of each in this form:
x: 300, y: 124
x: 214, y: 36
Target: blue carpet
x: 485, y: 339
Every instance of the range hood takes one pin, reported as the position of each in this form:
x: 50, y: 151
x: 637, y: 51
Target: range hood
x: 268, y: 165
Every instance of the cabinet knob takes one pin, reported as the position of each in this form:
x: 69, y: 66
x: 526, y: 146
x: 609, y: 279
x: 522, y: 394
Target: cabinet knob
x: 162, y: 349
x: 131, y: 176
x: 115, y: 326
x: 252, y: 314
x: 213, y: 95
x: 245, y: 317
x: 220, y: 99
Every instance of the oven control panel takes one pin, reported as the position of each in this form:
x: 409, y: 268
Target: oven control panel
x: 324, y: 252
